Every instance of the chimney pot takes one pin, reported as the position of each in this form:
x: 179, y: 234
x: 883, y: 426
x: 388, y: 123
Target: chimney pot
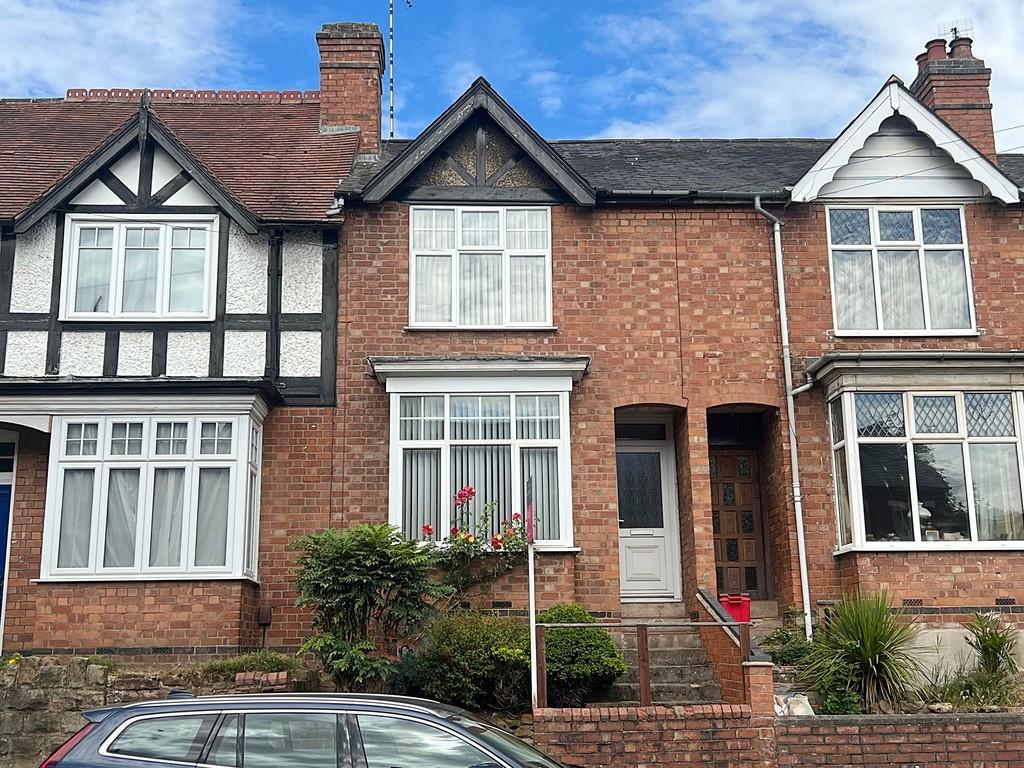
x: 935, y: 49
x: 922, y: 61
x: 960, y: 48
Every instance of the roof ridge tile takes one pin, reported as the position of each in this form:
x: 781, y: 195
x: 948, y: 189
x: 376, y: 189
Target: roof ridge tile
x: 188, y: 96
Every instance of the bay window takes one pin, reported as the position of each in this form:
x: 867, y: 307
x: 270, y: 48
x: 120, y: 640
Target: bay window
x: 930, y: 469
x: 146, y: 268
x: 510, y: 447
x: 473, y: 267
x: 147, y: 496
x: 900, y: 271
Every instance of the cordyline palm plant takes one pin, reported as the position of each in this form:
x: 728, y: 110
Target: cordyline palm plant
x: 869, y: 645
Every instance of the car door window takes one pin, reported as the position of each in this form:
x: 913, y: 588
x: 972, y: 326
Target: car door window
x: 393, y: 742
x: 224, y: 749
x: 293, y: 739
x: 180, y: 739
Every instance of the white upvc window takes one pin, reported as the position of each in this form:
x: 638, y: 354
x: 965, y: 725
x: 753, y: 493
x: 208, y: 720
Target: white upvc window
x: 146, y: 268
x: 143, y: 496
x: 900, y: 271
x: 477, y: 267
x: 509, y: 446
x: 928, y: 469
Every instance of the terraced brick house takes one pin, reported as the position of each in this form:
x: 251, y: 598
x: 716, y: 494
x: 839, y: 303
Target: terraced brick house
x: 210, y: 345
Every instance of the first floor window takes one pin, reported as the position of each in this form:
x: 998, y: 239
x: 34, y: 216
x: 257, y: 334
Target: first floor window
x: 512, y: 449
x: 145, y: 268
x: 932, y: 468
x: 152, y: 495
x: 899, y: 270
x: 480, y: 267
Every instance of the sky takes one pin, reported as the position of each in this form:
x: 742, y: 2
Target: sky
x: 572, y: 68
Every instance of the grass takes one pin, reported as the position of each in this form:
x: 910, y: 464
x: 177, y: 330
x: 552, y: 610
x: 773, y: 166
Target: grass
x: 224, y: 670
x: 103, y: 661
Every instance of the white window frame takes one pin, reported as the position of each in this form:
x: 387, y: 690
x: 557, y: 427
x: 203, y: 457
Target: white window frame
x: 852, y: 443
x: 510, y: 386
x: 239, y: 462
x: 74, y: 223
x: 877, y: 244
x: 506, y: 255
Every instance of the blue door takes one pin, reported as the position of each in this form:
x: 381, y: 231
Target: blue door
x: 5, y: 519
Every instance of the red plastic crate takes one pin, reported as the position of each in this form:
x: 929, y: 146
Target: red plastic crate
x: 738, y: 606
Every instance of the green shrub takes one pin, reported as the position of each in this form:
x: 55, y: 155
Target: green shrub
x: 366, y: 586
x: 994, y: 642
x: 787, y: 645
x: 874, y: 647
x: 103, y: 661
x: 470, y: 660
x: 581, y: 661
x: 224, y: 670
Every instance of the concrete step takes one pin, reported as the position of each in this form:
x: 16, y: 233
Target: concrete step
x: 660, y: 639
x: 764, y: 609
x: 666, y: 611
x: 682, y: 673
x: 670, y: 657
x: 667, y: 693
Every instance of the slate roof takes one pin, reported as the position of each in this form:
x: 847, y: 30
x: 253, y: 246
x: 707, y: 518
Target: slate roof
x: 744, y: 166
x: 270, y: 156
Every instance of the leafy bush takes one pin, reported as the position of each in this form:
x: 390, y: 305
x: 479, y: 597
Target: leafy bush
x: 874, y: 647
x: 471, y: 660
x: 787, y: 645
x: 365, y: 585
x: 581, y: 661
x: 224, y: 670
x: 106, y: 662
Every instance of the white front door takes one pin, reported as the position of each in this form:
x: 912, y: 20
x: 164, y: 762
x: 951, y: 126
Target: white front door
x: 649, y: 564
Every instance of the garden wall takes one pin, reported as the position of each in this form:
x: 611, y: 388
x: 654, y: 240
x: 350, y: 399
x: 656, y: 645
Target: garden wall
x: 727, y: 735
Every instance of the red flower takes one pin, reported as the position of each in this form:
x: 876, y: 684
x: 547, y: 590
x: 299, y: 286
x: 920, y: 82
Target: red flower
x: 516, y: 517
x: 428, y: 529
x: 454, y: 531
x: 496, y: 542
x: 464, y: 496
x: 510, y: 532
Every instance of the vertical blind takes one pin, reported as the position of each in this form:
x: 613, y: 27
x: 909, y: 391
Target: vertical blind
x: 480, y: 267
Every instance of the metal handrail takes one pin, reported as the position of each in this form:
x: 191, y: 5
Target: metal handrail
x: 642, y: 648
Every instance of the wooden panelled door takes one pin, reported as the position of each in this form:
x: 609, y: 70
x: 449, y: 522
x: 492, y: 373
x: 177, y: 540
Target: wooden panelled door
x: 737, y: 522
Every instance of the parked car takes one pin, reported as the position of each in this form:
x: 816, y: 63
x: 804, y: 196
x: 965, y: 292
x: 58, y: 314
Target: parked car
x: 291, y: 731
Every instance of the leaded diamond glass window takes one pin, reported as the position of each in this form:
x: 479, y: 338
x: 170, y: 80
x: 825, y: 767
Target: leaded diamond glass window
x: 849, y: 226
x: 989, y: 414
x: 750, y: 579
x: 743, y: 466
x: 880, y: 414
x: 935, y: 414
x: 835, y: 409
x: 732, y: 550
x: 729, y: 494
x: 941, y: 226
x: 713, y: 466
x: 716, y: 521
x: 747, y: 521
x: 896, y: 225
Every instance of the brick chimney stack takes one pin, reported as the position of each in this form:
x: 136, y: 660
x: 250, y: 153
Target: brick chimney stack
x: 351, y: 65
x: 954, y: 86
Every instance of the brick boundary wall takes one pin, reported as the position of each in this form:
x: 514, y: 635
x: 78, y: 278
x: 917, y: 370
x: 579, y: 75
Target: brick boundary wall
x: 729, y: 735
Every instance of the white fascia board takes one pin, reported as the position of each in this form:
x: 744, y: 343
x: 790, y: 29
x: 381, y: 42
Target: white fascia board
x: 896, y: 99
x: 386, y: 371
x: 458, y: 384
x: 35, y: 410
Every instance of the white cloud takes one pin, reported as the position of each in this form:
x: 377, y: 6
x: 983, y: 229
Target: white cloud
x: 51, y: 45
x: 782, y: 68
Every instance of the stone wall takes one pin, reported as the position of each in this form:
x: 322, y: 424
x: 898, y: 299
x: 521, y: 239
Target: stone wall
x: 41, y: 700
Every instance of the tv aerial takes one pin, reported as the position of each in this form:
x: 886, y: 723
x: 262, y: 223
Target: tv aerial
x: 956, y: 28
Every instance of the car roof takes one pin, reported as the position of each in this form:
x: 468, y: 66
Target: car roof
x: 276, y: 700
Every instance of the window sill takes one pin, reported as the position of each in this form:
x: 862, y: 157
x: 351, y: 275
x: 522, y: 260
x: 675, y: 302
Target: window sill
x: 128, y: 577
x: 487, y: 328
x: 555, y: 549
x: 964, y: 333
x: 932, y: 546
